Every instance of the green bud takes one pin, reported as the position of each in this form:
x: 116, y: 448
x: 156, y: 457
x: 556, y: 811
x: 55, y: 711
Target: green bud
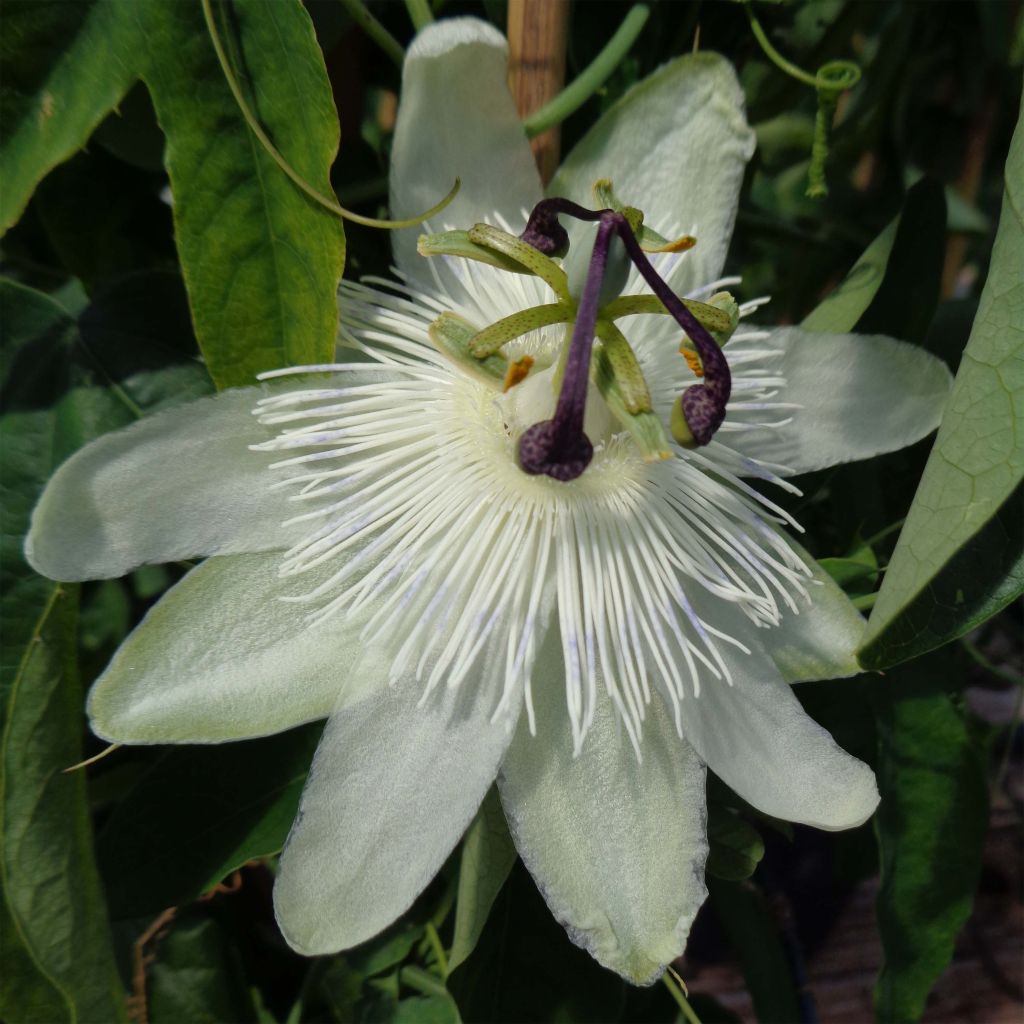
x: 577, y: 264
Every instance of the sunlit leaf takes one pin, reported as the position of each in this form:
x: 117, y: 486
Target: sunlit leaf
x: 960, y: 556
x: 261, y: 259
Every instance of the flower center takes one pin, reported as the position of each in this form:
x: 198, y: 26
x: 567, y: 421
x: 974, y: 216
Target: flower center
x: 589, y: 286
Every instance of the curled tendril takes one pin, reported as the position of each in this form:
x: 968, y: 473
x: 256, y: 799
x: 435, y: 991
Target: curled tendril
x: 831, y: 79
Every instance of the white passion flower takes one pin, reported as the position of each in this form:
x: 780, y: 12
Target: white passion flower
x: 387, y: 551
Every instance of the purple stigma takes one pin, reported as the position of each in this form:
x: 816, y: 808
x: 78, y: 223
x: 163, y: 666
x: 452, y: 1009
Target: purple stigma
x: 703, y: 404
x: 544, y: 231
x: 558, y: 447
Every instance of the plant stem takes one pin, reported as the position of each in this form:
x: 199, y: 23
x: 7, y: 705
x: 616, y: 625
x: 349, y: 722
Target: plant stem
x: 773, y: 55
x: 882, y: 534
x: 979, y: 658
x: 592, y: 77
x: 420, y: 12
x: 681, y: 1001
x: 375, y: 30
x: 435, y: 945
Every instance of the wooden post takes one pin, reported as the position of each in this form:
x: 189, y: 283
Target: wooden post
x: 537, y: 31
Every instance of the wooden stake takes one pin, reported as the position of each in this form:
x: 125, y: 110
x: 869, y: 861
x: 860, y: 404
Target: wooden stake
x: 537, y: 31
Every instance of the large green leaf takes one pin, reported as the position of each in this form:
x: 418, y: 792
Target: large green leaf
x: 197, y: 815
x: 64, y: 67
x: 960, y: 556
x: 56, y: 944
x: 930, y: 827
x: 487, y: 857
x: 261, y: 259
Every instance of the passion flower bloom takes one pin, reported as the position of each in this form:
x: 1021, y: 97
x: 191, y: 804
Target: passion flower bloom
x: 395, y: 543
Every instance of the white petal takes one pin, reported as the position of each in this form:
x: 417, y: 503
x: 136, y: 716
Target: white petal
x: 175, y: 485
x: 392, y: 788
x: 457, y: 119
x: 221, y: 657
x: 858, y: 395
x: 616, y: 847
x: 676, y: 146
x: 755, y: 735
x: 819, y: 641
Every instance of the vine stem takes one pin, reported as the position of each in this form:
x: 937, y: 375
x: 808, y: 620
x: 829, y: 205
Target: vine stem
x: 375, y: 30
x: 420, y: 13
x: 773, y: 55
x: 592, y: 77
x: 537, y: 36
x: 681, y: 1001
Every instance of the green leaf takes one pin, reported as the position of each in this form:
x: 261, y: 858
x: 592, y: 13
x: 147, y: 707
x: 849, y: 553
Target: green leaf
x: 64, y: 68
x: 524, y: 967
x: 893, y: 287
x: 747, y: 920
x: 196, y: 977
x: 56, y: 945
x: 197, y: 815
x: 845, y: 304
x: 50, y: 883
x: 905, y: 302
x: 736, y: 847
x: 487, y: 857
x: 960, y: 556
x: 261, y: 259
x: 930, y: 827
x: 104, y: 219
x: 59, y: 392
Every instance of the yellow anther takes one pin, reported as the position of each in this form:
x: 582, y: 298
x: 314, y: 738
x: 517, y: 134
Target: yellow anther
x: 679, y: 245
x: 517, y: 371
x: 692, y: 360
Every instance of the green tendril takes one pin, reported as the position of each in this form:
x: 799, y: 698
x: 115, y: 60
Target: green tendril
x: 592, y: 77
x: 375, y: 30
x: 420, y: 13
x: 257, y: 129
x: 832, y: 79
